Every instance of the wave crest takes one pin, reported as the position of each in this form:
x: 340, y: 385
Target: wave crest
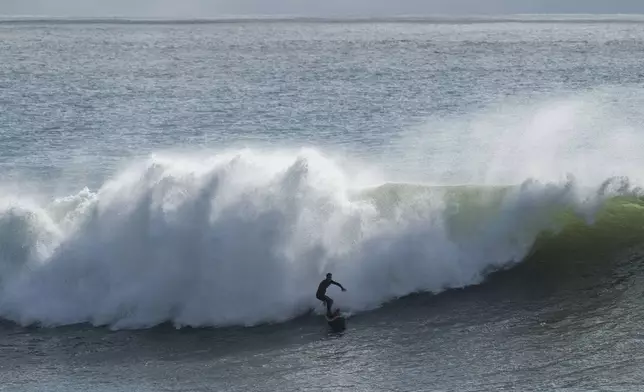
x: 244, y: 238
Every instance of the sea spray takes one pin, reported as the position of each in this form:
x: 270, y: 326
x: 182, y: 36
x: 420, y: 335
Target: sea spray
x: 244, y: 237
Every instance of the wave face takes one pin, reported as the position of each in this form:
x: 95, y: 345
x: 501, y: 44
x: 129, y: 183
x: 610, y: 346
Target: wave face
x: 244, y: 237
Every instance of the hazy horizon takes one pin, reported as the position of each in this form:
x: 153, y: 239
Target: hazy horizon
x: 331, y: 8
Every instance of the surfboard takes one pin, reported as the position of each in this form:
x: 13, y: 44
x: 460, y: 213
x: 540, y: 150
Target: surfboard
x: 337, y: 321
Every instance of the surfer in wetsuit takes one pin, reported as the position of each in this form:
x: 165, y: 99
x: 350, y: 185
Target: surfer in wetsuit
x: 321, y: 293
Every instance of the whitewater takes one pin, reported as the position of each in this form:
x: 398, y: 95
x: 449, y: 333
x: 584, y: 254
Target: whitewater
x: 243, y: 237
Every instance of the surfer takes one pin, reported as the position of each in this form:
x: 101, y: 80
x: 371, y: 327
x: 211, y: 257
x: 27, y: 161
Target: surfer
x: 321, y: 293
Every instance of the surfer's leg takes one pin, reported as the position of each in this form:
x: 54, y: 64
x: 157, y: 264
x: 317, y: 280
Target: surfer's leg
x: 325, y: 301
x: 329, y: 303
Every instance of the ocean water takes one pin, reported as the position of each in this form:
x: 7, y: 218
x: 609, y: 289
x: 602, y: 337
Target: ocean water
x: 172, y: 192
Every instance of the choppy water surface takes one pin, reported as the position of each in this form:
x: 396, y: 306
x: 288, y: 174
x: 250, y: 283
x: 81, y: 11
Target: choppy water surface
x: 173, y: 193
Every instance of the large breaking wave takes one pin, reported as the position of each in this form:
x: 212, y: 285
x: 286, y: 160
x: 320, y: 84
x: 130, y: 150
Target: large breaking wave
x: 244, y: 237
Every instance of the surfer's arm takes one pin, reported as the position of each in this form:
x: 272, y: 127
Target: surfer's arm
x: 338, y: 284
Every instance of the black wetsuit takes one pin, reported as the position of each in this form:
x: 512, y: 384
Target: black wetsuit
x: 321, y: 293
